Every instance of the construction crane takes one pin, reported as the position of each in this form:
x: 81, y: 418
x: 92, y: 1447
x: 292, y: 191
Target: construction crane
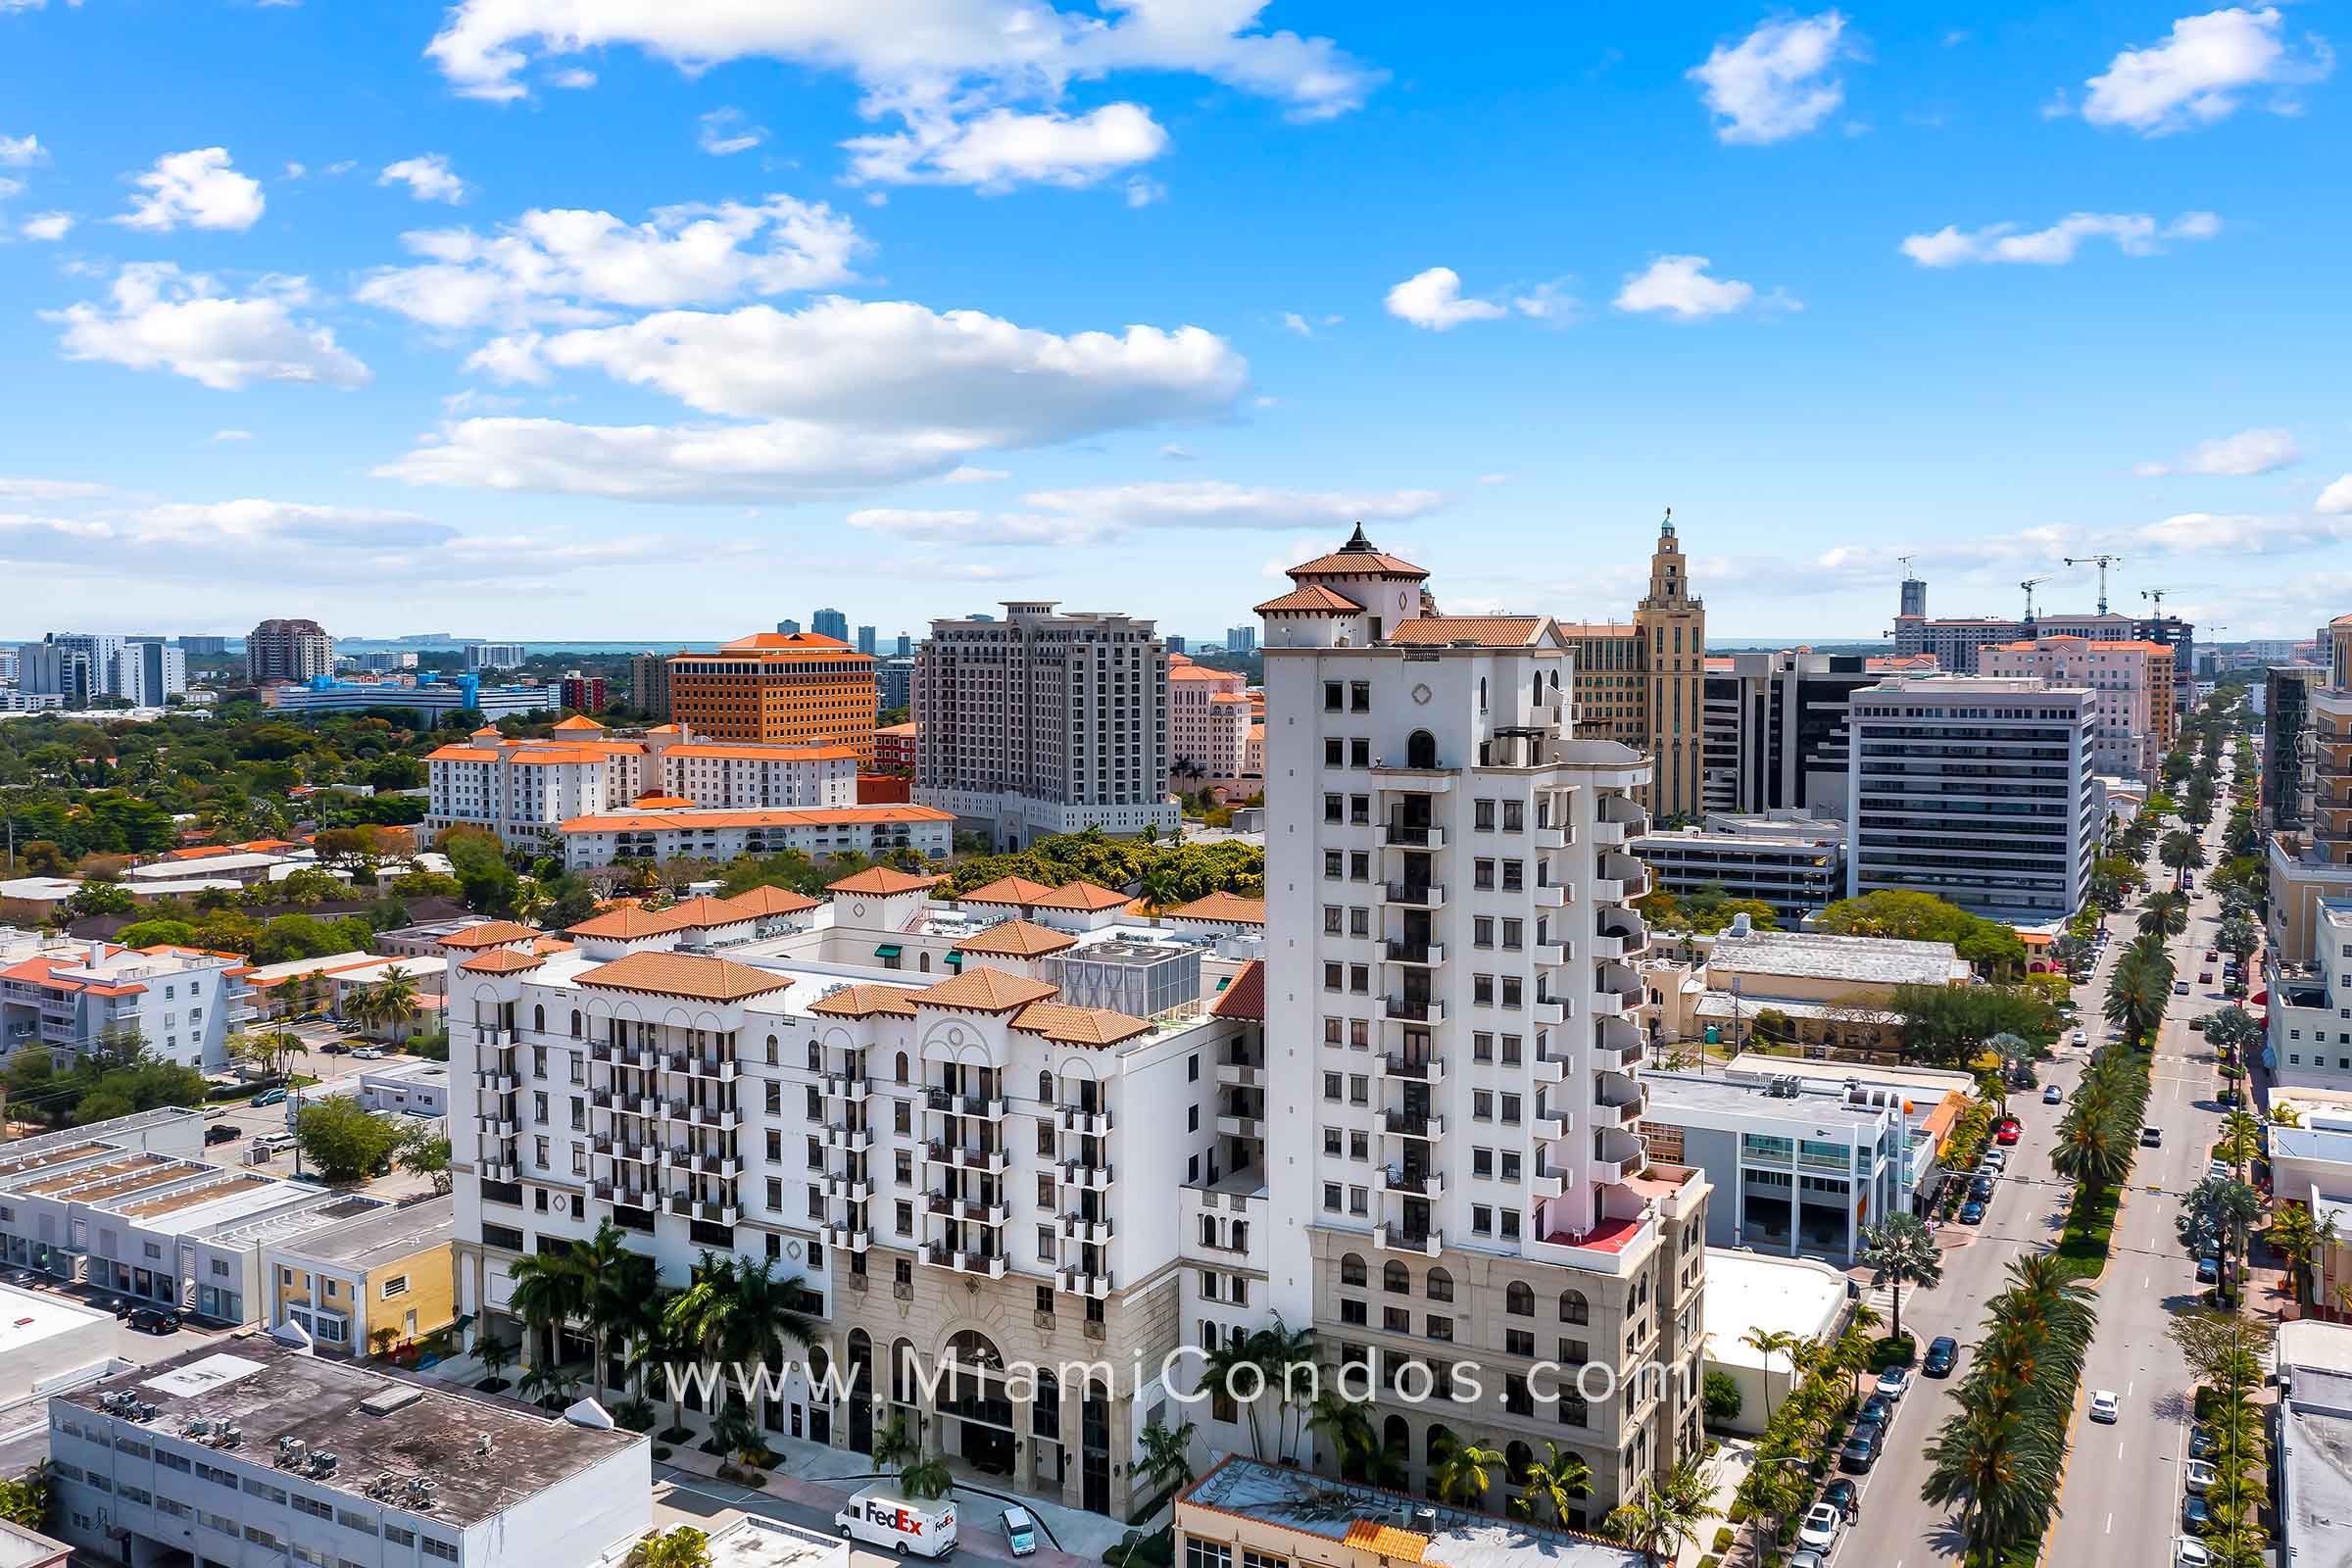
x: 2028, y: 585
x: 2102, y: 561
x: 1906, y: 561
x: 2156, y: 594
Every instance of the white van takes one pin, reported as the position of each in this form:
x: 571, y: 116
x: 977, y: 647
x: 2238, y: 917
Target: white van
x: 880, y: 1517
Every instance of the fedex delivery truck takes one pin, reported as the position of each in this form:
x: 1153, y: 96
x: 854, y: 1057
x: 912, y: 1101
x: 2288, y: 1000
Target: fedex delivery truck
x: 880, y: 1517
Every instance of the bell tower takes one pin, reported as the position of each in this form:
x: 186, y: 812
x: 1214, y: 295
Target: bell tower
x: 1671, y: 622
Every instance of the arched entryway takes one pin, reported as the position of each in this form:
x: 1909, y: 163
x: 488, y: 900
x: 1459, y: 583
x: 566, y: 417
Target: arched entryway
x: 974, y: 1406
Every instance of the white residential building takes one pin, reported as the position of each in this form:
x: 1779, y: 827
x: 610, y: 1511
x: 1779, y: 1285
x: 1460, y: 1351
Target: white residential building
x: 251, y: 1449
x: 1982, y: 791
x: 1043, y: 723
x: 525, y: 790
x: 151, y: 671
x: 1456, y: 1013
x: 608, y: 837
x: 2311, y: 1006
x: 2132, y: 683
x: 64, y: 996
x: 494, y: 655
x: 923, y: 1112
x: 1792, y: 862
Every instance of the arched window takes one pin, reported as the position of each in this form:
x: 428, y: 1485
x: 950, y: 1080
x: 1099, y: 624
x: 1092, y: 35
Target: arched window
x: 1515, y: 1460
x: 575, y: 1023
x: 1520, y: 1300
x: 1440, y: 1284
x: 901, y: 1066
x: 1536, y: 692
x: 922, y: 962
x: 538, y: 1021
x: 1351, y: 1269
x: 1421, y: 747
x: 816, y: 1057
x: 1395, y: 1278
x: 1436, y: 1443
x: 1045, y: 1089
x: 1574, y: 1308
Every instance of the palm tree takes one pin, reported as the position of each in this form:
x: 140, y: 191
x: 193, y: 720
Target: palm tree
x: 1166, y: 1464
x: 1664, y: 1519
x: 394, y: 1000
x: 683, y: 1546
x: 2240, y: 1141
x: 1900, y: 1251
x: 2299, y: 1236
x: 1769, y: 1342
x: 610, y: 1274
x: 2284, y: 1114
x: 895, y: 1446
x: 1235, y: 1363
x: 1159, y: 887
x: 549, y: 1292
x: 1997, y: 1462
x: 494, y: 1353
x: 1554, y: 1484
x: 1283, y: 1352
x: 1462, y: 1472
x: 2181, y: 853
x: 2237, y: 936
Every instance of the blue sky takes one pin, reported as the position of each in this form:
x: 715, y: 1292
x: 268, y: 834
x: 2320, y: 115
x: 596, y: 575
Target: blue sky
x: 669, y: 317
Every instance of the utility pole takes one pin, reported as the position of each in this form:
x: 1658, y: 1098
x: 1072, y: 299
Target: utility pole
x: 2102, y: 561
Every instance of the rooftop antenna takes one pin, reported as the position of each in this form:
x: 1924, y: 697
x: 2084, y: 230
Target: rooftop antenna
x: 2102, y: 561
x: 2028, y: 585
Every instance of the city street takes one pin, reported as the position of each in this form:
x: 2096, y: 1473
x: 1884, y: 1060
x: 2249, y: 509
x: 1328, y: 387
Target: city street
x: 2121, y: 1501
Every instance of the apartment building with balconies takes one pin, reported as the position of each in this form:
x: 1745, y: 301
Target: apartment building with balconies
x: 920, y: 1109
x: 66, y: 996
x: 1456, y: 1032
x: 2312, y: 864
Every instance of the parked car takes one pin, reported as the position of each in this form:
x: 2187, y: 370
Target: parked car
x: 2205, y: 977
x: 2106, y: 1408
x: 2180, y: 988
x: 1820, y: 1526
x: 1807, y: 1558
x: 153, y: 1320
x: 2197, y: 1024
x: 2194, y: 1515
x: 268, y: 1096
x: 1021, y: 1532
x: 334, y: 1047
x: 1877, y: 1408
x: 2190, y: 1553
x: 367, y: 1054
x: 1944, y: 1354
x: 1861, y: 1449
x: 2212, y: 954
x: 223, y: 1132
x: 2201, y: 1476
x: 2209, y: 1271
x: 2202, y: 1443
x: 2052, y: 1095
x: 2217, y: 1170
x: 2151, y: 1136
x: 1980, y: 1189
x: 2009, y: 1132
x: 1971, y: 1212
x: 1993, y: 1159
x: 1894, y: 1382
x: 1844, y: 1497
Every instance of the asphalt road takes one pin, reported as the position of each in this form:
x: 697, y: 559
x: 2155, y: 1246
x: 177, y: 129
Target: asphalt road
x: 2121, y: 1497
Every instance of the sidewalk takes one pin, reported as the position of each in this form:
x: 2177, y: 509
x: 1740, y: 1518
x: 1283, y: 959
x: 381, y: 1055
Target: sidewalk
x: 1727, y: 1470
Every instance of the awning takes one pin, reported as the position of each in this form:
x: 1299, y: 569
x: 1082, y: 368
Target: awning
x: 887, y: 949
x: 955, y: 960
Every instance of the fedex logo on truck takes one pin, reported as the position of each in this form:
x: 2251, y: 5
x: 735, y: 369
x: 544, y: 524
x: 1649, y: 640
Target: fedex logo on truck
x: 905, y: 1521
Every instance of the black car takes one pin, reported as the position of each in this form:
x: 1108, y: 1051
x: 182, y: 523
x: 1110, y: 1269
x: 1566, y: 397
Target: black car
x: 2202, y: 1443
x: 2195, y: 1517
x: 1877, y: 1410
x: 1844, y: 1497
x: 223, y: 1132
x: 1861, y: 1449
x: 1944, y: 1354
x: 1971, y: 1212
x: 153, y: 1320
x: 1980, y: 1189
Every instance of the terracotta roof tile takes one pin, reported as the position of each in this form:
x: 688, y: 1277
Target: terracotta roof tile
x: 1358, y: 563
x: 1245, y: 997
x: 685, y: 974
x: 489, y: 934
x: 579, y: 721
x: 502, y: 960
x: 1006, y: 890
x: 631, y: 924
x: 1078, y: 1026
x: 1315, y: 599
x: 987, y: 991
x: 1386, y: 1541
x: 1488, y: 632
x: 1086, y: 898
x: 1017, y: 939
x: 863, y: 1001
x: 710, y: 912
x: 773, y: 901
x: 799, y: 817
x: 881, y: 881
x: 1222, y: 906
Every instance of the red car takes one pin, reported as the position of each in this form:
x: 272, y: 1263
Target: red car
x: 2007, y: 1132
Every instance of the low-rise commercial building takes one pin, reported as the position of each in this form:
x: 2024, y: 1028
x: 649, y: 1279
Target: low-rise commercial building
x: 1817, y: 988
x: 1750, y: 1294
x: 1793, y: 862
x: 431, y: 698
x: 390, y: 1274
x: 2313, y: 1464
x: 253, y: 1449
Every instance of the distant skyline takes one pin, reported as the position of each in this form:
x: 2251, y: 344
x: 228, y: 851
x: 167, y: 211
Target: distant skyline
x: 588, y: 313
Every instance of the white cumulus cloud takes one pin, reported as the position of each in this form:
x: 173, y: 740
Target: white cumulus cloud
x: 47, y: 225
x: 428, y: 177
x: 1091, y: 514
x: 569, y: 266
x: 2203, y: 70
x: 2240, y: 456
x: 2336, y: 499
x: 1005, y: 148
x: 160, y: 318
x: 21, y: 152
x: 1678, y: 286
x: 198, y: 187
x: 1778, y: 82
x: 2133, y: 234
x: 1434, y: 300
x: 725, y: 132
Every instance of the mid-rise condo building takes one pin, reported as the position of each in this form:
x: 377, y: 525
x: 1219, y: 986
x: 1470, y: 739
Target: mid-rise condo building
x: 2132, y: 681
x: 292, y: 650
x: 772, y: 689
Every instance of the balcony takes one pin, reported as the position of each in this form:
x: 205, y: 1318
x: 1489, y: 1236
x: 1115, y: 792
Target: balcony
x: 973, y: 1212
x: 1434, y: 780
x: 1608, y: 835
x: 717, y: 1213
x: 1398, y: 1238
x: 496, y: 1083
x: 849, y: 1189
x: 718, y: 1069
x: 1620, y: 1103
x: 1607, y: 947
x: 986, y: 1161
x: 1549, y: 1182
x: 1427, y: 1184
x: 1240, y: 1127
x: 1549, y: 1010
x: 1608, y: 1004
x: 1239, y: 1075
x: 1414, y: 895
x: 648, y: 1105
x: 1430, y: 1070
x: 722, y: 1119
x: 1549, y: 954
x: 500, y: 1125
x: 1617, y: 1044
x: 1550, y: 895
x: 1408, y: 1124
x: 724, y: 1166
x: 1081, y: 1122
x: 986, y: 1266
x: 1406, y: 836
x: 852, y: 1140
x: 1419, y: 955
x: 1623, y: 810
x: 1617, y: 1155
x: 947, y: 1102
x: 1086, y: 1232
x: 1547, y: 1067
x: 1080, y: 1282
x: 841, y: 1086
x: 1413, y: 1009
x: 1549, y: 1128
x: 604, y: 1051
x: 1554, y: 838
x: 498, y: 1170
x: 849, y: 1238
x: 494, y: 1038
x: 1086, y: 1178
